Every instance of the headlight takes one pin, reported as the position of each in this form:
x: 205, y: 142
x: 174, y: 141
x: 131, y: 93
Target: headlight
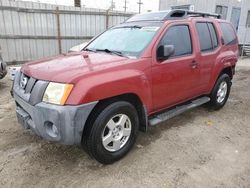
x: 57, y: 93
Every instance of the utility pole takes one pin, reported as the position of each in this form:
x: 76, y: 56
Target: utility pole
x: 77, y: 3
x: 244, y: 42
x: 112, y: 6
x: 125, y: 6
x: 139, y: 3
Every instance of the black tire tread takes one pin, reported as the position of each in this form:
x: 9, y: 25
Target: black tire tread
x: 213, y: 104
x: 90, y: 137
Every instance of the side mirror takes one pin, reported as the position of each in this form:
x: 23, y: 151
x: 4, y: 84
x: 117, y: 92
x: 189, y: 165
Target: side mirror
x: 165, y: 51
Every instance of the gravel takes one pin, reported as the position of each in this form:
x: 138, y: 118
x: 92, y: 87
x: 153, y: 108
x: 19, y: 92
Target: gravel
x: 199, y: 148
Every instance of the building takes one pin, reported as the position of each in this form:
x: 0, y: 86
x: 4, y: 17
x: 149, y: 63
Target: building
x: 236, y: 11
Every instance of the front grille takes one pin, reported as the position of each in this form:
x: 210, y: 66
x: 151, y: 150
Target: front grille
x: 27, y: 83
x: 29, y: 88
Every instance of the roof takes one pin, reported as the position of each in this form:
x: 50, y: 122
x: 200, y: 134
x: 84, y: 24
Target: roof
x: 169, y: 15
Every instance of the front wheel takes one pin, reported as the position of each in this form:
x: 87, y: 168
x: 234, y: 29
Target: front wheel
x: 220, y: 92
x: 112, y: 132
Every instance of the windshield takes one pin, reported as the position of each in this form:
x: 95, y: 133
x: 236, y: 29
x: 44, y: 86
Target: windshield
x: 127, y: 41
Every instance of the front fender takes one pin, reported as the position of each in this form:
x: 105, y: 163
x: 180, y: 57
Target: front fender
x: 110, y: 84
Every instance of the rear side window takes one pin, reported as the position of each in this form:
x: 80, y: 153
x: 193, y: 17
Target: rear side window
x: 179, y: 37
x: 207, y: 36
x: 213, y: 35
x: 204, y: 36
x: 228, y: 34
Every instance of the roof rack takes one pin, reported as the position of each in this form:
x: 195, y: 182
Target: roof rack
x: 182, y: 13
x: 203, y: 14
x: 170, y: 15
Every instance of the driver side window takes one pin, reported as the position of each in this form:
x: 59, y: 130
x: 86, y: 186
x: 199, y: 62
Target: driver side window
x: 178, y: 36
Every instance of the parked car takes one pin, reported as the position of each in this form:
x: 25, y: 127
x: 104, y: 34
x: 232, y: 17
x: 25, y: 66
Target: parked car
x: 137, y: 74
x: 13, y: 70
x: 79, y: 47
x: 3, y: 68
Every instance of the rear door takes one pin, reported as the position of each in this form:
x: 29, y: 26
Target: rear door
x: 209, y: 49
x: 175, y: 79
x: 230, y: 42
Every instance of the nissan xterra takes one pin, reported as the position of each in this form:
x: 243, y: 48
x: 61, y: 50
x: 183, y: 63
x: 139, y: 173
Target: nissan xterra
x: 140, y: 73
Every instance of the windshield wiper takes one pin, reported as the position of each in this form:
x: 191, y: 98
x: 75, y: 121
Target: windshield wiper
x: 90, y: 50
x: 111, y: 52
x: 132, y: 27
x: 136, y: 27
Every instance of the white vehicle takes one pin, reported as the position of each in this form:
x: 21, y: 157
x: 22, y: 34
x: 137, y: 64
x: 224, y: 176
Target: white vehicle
x: 78, y: 48
x: 12, y: 71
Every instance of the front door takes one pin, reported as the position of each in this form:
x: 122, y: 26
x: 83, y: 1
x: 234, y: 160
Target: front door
x: 176, y: 79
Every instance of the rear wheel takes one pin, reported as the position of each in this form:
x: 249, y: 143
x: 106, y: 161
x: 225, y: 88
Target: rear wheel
x: 112, y: 132
x: 220, y: 92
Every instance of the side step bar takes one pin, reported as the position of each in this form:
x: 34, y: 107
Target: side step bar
x: 178, y: 110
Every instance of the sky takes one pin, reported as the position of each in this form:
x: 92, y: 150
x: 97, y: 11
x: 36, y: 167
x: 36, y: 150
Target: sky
x: 132, y: 5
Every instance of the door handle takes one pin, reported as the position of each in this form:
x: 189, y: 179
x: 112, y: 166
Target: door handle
x: 194, y: 64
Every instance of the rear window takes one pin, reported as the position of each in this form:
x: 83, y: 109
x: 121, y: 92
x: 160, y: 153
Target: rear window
x: 228, y: 34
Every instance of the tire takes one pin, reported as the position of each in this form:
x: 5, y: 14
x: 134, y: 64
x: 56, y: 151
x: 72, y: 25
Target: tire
x: 112, y: 132
x: 218, y: 101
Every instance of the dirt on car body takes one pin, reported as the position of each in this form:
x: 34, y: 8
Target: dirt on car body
x: 196, y: 149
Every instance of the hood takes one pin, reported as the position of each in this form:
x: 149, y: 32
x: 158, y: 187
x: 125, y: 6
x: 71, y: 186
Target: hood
x: 65, y: 68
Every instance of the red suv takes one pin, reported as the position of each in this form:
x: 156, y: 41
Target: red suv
x: 137, y: 74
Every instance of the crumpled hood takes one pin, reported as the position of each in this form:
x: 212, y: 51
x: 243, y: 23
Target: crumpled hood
x: 65, y: 68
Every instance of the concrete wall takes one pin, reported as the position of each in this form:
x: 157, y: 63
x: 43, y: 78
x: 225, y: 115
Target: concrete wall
x: 201, y: 5
x: 30, y: 30
x: 244, y: 32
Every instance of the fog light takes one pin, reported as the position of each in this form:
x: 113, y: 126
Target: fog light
x: 51, y: 129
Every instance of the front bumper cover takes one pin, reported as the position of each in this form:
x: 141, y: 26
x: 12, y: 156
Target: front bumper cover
x: 69, y: 120
x: 43, y: 118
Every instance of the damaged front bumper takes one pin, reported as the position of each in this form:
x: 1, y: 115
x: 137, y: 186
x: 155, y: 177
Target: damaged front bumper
x: 63, y: 124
